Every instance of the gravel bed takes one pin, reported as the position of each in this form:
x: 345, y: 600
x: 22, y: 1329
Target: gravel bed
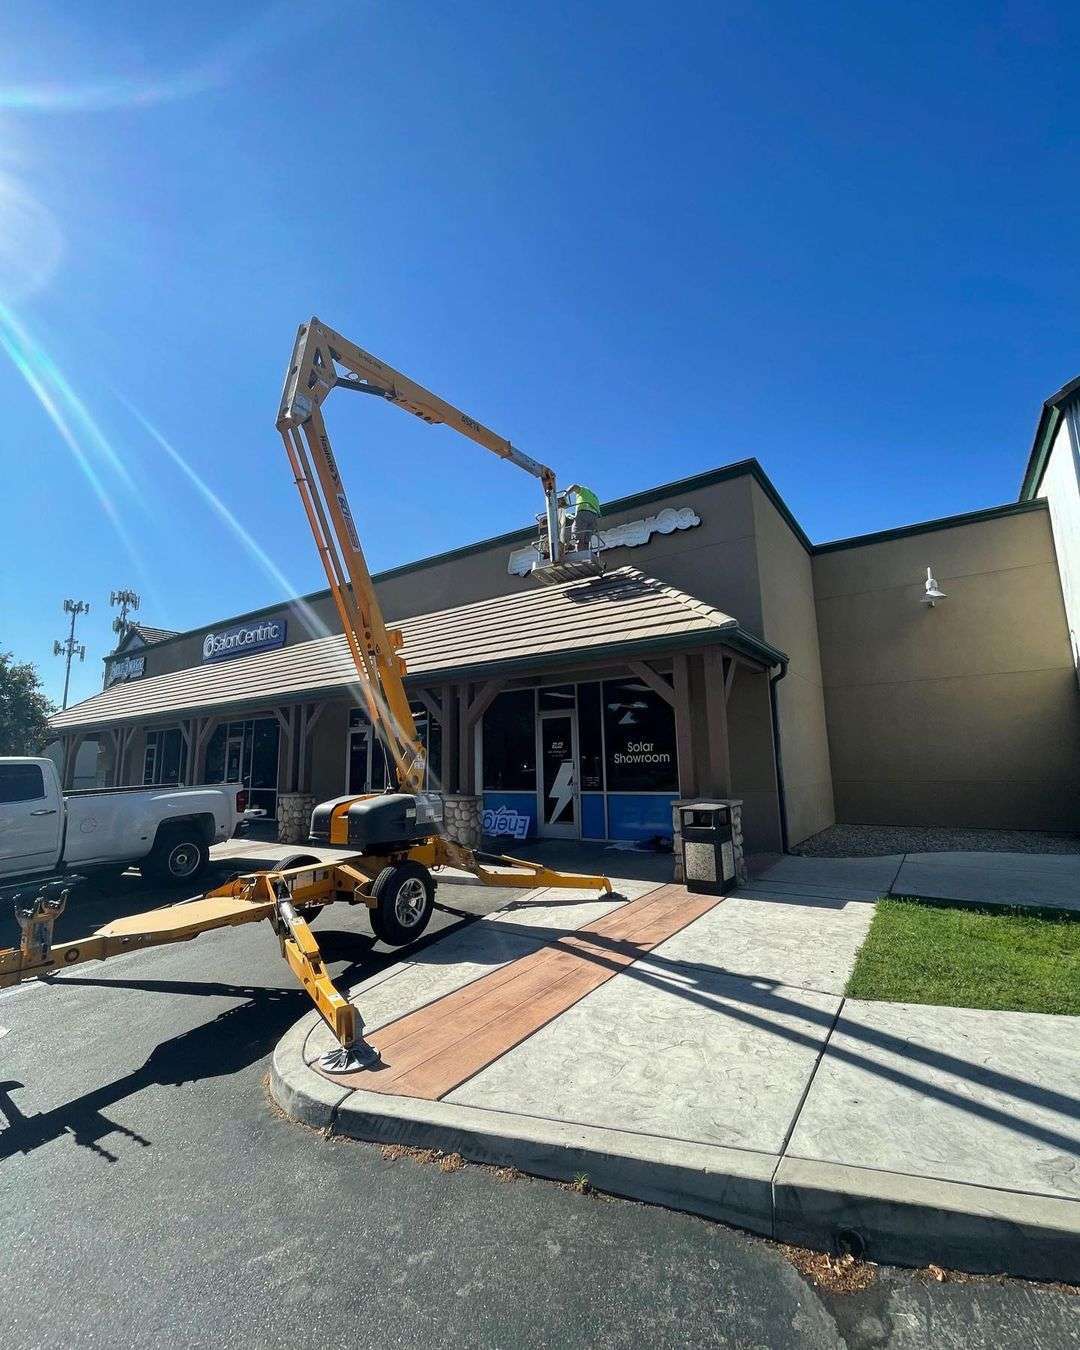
x: 873, y: 841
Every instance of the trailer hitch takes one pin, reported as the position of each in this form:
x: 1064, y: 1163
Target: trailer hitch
x: 37, y: 917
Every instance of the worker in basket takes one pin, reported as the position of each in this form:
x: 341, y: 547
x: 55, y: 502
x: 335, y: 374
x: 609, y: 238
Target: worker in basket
x: 581, y: 518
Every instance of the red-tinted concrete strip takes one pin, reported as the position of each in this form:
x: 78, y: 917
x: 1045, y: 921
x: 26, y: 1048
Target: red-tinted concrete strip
x: 432, y: 1051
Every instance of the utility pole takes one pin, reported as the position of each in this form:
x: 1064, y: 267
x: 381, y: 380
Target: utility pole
x: 69, y: 646
x: 126, y: 600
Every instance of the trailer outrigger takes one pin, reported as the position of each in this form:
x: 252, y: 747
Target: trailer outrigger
x: 395, y: 839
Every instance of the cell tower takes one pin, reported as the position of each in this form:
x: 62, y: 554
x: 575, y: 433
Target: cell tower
x: 126, y: 600
x: 69, y: 646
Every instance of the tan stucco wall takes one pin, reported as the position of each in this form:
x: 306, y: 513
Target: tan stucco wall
x: 785, y: 576
x: 964, y: 714
x: 753, y: 773
x: 722, y: 561
x: 714, y: 561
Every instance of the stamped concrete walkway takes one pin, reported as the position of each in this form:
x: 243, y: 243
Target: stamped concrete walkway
x: 699, y: 1052
x: 1044, y: 880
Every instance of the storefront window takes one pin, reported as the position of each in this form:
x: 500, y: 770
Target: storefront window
x: 639, y: 739
x: 556, y: 698
x: 164, y: 758
x: 247, y: 753
x: 590, y: 738
x: 264, y: 754
x: 510, y: 742
x: 368, y: 759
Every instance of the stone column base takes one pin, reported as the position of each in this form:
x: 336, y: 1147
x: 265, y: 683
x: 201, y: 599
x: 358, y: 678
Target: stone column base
x: 462, y: 818
x: 294, y: 817
x: 735, y: 806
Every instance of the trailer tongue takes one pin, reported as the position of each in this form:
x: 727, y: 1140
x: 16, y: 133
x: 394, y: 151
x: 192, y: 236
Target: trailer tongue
x: 287, y: 899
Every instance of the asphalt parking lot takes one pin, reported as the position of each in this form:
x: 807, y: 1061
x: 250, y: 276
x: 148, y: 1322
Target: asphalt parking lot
x: 152, y: 1196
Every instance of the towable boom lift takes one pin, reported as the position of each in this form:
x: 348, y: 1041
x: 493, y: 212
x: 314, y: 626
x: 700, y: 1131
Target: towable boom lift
x: 397, y: 835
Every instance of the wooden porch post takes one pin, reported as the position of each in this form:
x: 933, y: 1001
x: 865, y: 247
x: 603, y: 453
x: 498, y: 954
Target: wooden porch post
x: 716, y: 717
x: 286, y: 719
x: 470, y: 711
x: 684, y: 739
x: 311, y: 714
x: 449, y: 722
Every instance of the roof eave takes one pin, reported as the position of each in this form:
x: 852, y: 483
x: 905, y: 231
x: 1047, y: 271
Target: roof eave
x: 1042, y: 444
x: 732, y: 636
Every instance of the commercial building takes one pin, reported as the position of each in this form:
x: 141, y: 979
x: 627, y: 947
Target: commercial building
x: 722, y: 653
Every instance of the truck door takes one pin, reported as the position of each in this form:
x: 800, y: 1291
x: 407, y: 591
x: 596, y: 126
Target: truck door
x: 30, y: 818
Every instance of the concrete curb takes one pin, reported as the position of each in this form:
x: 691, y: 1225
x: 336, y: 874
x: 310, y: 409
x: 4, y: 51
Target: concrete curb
x: 898, y: 1218
x: 734, y: 1185
x: 913, y: 1220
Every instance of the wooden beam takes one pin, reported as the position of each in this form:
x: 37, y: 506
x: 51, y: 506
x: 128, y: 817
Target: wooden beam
x: 65, y: 760
x: 430, y: 702
x: 311, y: 714
x: 716, y: 717
x: 657, y: 683
x: 684, y: 742
x: 207, y: 725
x: 466, y: 768
x: 483, y: 701
x: 314, y: 713
x: 729, y: 678
x: 448, y: 721
x: 123, y: 744
x: 287, y: 723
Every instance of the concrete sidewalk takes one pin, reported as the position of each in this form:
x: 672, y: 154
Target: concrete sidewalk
x: 1041, y: 880
x: 714, y: 1065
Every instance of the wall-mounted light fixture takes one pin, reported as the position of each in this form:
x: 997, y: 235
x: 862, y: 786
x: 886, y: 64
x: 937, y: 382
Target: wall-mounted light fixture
x: 933, y: 592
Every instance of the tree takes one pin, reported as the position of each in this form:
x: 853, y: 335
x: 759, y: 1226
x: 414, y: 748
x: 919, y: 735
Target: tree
x: 24, y: 709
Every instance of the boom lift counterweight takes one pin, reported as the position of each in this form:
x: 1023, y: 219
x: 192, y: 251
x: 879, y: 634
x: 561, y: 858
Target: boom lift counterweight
x: 397, y: 836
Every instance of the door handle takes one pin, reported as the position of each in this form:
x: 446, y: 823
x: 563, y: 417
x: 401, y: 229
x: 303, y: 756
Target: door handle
x: 45, y: 811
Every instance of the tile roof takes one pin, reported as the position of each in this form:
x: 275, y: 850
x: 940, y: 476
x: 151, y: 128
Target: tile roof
x: 151, y: 635
x: 618, y: 614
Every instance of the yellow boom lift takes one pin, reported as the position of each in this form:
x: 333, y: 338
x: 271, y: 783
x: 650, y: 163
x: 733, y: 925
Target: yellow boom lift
x: 395, y: 838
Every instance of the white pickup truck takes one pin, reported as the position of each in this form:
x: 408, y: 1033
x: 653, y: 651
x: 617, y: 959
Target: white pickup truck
x: 166, y: 830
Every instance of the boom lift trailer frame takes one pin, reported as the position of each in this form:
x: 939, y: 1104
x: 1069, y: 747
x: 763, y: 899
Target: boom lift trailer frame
x: 323, y: 360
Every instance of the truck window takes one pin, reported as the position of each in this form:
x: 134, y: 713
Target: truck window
x: 21, y: 783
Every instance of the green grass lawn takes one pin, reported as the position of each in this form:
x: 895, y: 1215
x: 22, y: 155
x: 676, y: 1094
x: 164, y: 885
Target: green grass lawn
x: 969, y: 958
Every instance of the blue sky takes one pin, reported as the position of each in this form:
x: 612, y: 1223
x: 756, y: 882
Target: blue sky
x: 641, y: 243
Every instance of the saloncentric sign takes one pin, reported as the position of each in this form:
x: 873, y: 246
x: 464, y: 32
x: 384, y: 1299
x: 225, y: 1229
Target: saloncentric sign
x: 244, y: 638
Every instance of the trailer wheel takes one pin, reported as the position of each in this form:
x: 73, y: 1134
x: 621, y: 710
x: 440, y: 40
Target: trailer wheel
x: 310, y: 912
x: 404, y: 895
x: 179, y: 855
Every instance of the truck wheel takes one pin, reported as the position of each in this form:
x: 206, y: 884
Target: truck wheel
x: 404, y: 896
x: 179, y: 855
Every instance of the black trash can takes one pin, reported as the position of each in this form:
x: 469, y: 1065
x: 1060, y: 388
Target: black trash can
x: 708, y: 844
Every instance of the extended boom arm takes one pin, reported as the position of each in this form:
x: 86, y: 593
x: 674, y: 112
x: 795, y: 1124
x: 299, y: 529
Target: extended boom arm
x: 323, y: 360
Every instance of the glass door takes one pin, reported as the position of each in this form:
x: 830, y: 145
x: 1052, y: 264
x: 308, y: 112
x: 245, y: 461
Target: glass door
x: 234, y: 757
x: 557, y: 752
x: 359, y: 759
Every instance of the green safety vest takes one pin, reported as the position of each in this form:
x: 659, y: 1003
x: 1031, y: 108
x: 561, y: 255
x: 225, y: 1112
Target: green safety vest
x: 586, y: 498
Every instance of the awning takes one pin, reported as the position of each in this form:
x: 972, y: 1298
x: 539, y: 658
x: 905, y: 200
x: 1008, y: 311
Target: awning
x: 614, y: 617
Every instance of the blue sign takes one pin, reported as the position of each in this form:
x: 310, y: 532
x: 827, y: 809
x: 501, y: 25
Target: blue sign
x: 261, y: 635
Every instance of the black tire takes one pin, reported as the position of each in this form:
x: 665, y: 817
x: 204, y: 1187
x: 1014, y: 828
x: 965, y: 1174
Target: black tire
x: 180, y: 854
x: 309, y: 912
x: 404, y: 896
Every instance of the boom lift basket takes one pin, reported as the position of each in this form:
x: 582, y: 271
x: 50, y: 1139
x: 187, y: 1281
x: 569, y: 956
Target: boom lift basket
x: 577, y: 553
